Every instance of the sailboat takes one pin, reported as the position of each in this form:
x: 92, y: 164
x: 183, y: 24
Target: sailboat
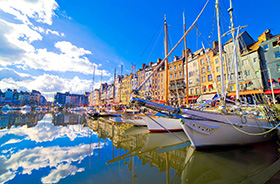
x: 211, y: 129
x: 162, y: 122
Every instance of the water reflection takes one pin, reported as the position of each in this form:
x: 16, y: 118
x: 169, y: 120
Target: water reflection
x: 69, y: 148
x: 42, y: 152
x: 254, y: 164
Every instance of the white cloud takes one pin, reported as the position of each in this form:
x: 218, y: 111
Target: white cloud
x: 54, y: 32
x: 39, y: 10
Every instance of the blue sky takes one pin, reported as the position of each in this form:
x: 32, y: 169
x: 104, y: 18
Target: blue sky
x: 53, y: 45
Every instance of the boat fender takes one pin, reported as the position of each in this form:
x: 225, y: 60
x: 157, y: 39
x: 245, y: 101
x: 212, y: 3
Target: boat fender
x: 243, y: 120
x: 217, y: 104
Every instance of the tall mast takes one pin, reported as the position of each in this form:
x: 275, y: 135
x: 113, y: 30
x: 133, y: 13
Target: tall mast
x: 186, y: 61
x: 234, y: 56
x: 100, y: 88
x: 92, y: 90
x: 166, y: 62
x: 121, y: 84
x: 114, y: 87
x: 220, y: 53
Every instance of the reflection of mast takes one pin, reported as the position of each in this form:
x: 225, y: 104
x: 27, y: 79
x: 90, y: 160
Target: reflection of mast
x: 90, y: 148
x: 167, y: 166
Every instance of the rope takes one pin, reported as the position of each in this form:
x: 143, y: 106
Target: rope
x: 248, y: 133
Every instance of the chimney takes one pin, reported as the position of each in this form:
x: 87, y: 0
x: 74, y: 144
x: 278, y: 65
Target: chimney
x: 265, y: 35
x: 143, y: 66
x: 215, y: 44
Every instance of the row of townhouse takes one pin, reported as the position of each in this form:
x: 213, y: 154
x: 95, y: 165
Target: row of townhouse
x: 199, y: 72
x: 68, y: 99
x: 22, y: 98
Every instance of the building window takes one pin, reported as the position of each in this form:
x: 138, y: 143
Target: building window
x: 217, y: 61
x: 255, y: 59
x: 218, y: 78
x: 210, y: 77
x: 202, y: 61
x: 175, y: 75
x: 274, y: 44
x: 190, y: 74
x: 265, y: 47
x: 217, y: 69
x: 278, y: 68
x: 191, y: 91
x: 190, y: 81
x: 277, y: 54
x: 170, y: 68
x: 179, y: 66
x: 162, y: 75
x: 202, y: 70
x: 203, y: 79
x: 171, y: 76
x: 231, y: 88
x: 180, y: 74
x: 175, y: 67
x: 208, y: 68
x: 239, y: 75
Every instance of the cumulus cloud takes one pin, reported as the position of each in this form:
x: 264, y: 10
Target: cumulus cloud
x: 10, y: 73
x: 39, y: 10
x: 18, y: 40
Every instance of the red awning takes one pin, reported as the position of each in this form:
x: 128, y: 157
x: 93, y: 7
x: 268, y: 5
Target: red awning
x: 193, y: 97
x: 210, y: 86
x: 279, y: 80
x: 272, y: 80
x: 204, y: 87
x: 275, y: 91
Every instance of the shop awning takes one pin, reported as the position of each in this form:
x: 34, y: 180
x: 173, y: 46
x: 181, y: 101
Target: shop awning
x: 272, y: 80
x: 250, y: 92
x: 269, y: 92
x: 204, y: 87
x: 210, y: 86
x: 193, y: 97
x: 206, y: 97
x: 279, y: 80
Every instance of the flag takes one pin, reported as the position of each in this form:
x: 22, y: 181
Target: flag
x: 151, y: 89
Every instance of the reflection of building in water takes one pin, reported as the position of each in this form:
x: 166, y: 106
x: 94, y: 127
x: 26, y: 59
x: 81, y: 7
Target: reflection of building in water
x: 63, y: 119
x: 18, y: 119
x: 161, y: 150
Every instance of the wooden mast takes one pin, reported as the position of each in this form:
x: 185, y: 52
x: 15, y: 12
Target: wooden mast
x: 186, y: 61
x: 166, y: 62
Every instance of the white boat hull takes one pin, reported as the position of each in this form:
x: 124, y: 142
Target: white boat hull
x: 162, y: 124
x: 216, y: 129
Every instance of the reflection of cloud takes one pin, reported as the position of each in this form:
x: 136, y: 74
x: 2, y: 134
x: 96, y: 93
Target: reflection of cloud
x: 11, y: 142
x: 62, y: 171
x: 27, y: 160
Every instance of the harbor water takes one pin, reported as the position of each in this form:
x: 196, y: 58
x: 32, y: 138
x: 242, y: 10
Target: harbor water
x: 72, y: 148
